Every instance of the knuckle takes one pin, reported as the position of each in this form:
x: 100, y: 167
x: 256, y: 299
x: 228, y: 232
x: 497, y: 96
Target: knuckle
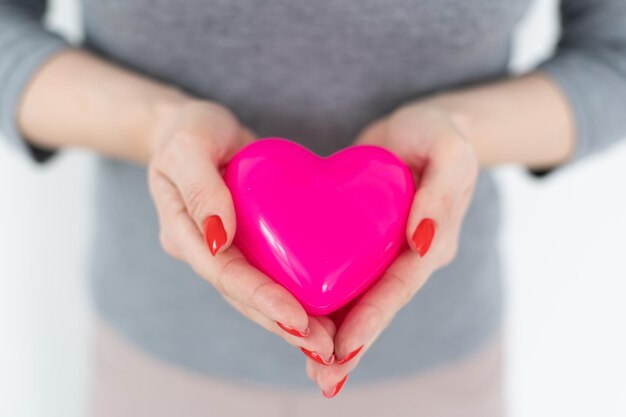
x: 196, y: 198
x: 376, y: 316
x: 264, y: 293
x: 447, y: 204
x: 230, y: 271
x: 450, y: 252
x: 168, y: 244
x: 442, y: 202
x: 405, y: 287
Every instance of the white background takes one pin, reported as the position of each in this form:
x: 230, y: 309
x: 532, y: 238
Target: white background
x: 563, y: 243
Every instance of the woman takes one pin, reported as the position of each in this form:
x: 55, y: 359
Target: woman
x: 170, y: 90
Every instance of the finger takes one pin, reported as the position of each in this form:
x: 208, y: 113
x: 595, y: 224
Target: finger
x: 319, y: 340
x: 442, y: 197
x: 320, y: 357
x: 372, y: 312
x: 328, y: 324
x: 330, y: 379
x: 191, y: 163
x: 230, y: 273
x: 327, y: 377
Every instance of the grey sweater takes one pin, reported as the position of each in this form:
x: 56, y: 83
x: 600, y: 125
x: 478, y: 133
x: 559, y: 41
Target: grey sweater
x: 314, y: 71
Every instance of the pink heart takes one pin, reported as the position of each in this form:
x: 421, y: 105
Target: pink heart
x: 324, y: 228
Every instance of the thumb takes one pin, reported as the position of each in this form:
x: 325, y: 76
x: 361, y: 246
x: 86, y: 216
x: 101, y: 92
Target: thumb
x: 442, y: 198
x: 207, y: 199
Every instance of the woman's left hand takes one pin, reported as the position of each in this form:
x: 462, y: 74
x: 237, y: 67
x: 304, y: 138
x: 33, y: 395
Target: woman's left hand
x: 430, y: 141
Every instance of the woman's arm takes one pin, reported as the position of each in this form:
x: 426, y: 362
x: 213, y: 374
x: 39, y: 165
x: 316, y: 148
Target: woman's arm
x: 55, y: 96
x: 79, y: 100
x: 523, y: 120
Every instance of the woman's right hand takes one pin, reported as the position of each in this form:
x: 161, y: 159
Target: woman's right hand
x: 188, y: 151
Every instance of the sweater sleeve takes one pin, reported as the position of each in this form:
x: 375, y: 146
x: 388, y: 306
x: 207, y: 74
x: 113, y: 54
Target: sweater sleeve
x: 24, y: 46
x: 589, y: 66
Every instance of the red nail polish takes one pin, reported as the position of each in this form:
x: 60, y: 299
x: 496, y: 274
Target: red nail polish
x: 337, y: 388
x: 214, y: 233
x: 293, y: 330
x: 317, y: 357
x: 350, y: 355
x: 423, y: 236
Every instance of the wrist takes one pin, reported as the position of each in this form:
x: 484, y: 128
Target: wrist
x: 162, y: 112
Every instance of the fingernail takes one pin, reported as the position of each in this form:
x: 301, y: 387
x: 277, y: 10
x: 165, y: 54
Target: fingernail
x: 293, y: 330
x: 214, y: 233
x: 317, y: 357
x: 423, y: 236
x: 350, y: 355
x: 336, y: 388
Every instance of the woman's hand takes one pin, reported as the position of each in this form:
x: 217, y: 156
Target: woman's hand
x: 195, y: 209
x: 428, y: 139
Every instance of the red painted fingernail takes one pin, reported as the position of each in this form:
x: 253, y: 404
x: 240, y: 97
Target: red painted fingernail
x: 214, y: 233
x: 350, y: 355
x: 336, y: 388
x: 293, y: 330
x: 423, y: 236
x: 317, y: 357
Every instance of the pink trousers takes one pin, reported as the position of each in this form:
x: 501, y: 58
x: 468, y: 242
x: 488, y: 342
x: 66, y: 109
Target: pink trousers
x: 130, y: 383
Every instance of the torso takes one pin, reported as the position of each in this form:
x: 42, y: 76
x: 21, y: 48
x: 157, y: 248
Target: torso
x: 316, y: 72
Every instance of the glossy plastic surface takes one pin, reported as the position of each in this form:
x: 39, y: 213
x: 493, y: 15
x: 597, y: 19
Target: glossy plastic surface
x: 324, y: 228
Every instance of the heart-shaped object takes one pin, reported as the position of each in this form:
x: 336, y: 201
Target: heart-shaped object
x: 324, y: 228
